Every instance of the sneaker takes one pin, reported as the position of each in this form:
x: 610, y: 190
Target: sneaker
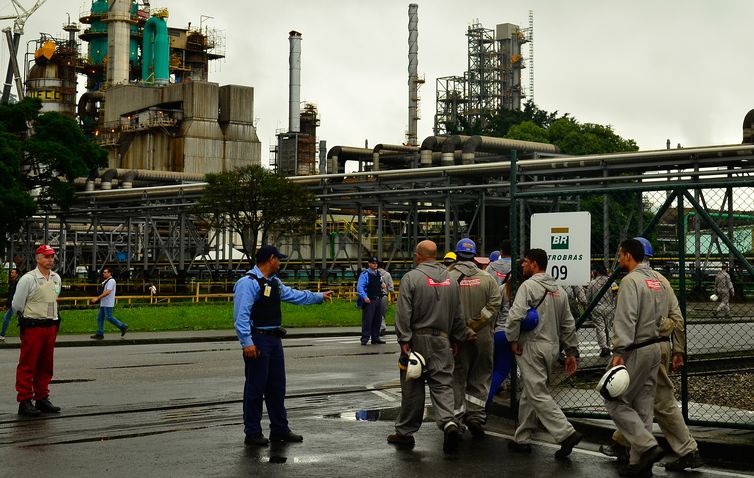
x: 615, y: 450
x: 402, y: 441
x: 288, y: 437
x: 519, y: 447
x: 476, y: 429
x: 566, y: 446
x: 2, y: 338
x: 689, y: 460
x: 26, y: 409
x: 452, y: 438
x: 97, y: 337
x: 123, y: 330
x: 46, y: 406
x: 256, y: 439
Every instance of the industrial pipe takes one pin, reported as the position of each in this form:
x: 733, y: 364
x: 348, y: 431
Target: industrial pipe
x: 155, y: 52
x: 430, y: 143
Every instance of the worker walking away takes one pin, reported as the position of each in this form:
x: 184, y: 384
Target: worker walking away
x: 604, y: 312
x: 642, y: 303
x: 724, y: 289
x: 666, y: 411
x: 428, y: 320
x: 536, y: 351
x: 480, y: 299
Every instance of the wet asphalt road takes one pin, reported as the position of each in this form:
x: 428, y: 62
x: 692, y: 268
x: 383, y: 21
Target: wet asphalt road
x: 174, y: 410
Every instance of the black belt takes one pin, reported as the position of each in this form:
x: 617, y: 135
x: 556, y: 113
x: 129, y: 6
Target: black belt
x: 26, y: 322
x: 277, y: 332
x: 655, y: 340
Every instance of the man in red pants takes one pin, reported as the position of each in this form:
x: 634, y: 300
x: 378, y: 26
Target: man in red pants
x: 36, y: 302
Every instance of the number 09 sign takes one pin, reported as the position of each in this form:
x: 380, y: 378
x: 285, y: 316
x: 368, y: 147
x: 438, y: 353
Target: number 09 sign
x: 566, y: 238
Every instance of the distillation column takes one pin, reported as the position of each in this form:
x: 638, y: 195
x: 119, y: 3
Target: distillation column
x: 118, y: 34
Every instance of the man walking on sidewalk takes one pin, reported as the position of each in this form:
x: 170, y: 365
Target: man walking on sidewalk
x: 428, y: 320
x: 36, y: 302
x: 642, y: 303
x: 537, y: 351
x: 106, y: 301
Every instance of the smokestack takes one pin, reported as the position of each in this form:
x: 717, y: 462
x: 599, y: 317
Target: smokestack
x: 118, y: 37
x: 294, y: 91
x: 413, y: 75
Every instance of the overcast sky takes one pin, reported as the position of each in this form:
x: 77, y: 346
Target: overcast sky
x: 651, y: 69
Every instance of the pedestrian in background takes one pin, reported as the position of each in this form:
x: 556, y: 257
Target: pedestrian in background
x: 387, y: 279
x: 36, y: 303
x: 428, y: 320
x: 480, y: 301
x: 604, y: 312
x: 12, y: 284
x: 257, y: 318
x: 537, y: 352
x: 369, y: 288
x: 106, y: 300
x: 724, y: 289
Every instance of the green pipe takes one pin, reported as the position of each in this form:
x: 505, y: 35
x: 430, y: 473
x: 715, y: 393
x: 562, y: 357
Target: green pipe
x: 155, y: 51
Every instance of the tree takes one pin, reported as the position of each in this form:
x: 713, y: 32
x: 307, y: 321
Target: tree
x: 42, y: 154
x: 256, y: 203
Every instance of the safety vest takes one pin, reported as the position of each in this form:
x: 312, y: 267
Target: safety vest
x: 42, y: 301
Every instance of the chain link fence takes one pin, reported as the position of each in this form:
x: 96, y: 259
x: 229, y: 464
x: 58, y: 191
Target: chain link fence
x: 695, y: 233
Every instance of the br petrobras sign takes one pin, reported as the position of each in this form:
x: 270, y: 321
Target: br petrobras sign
x: 566, y: 237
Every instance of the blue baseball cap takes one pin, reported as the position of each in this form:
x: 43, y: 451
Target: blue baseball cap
x: 266, y: 252
x: 373, y: 260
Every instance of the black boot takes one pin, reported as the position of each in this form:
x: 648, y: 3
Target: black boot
x: 26, y: 409
x: 46, y: 406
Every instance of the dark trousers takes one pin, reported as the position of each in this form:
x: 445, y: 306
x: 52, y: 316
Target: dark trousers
x: 371, y: 320
x: 265, y: 381
x: 35, y: 363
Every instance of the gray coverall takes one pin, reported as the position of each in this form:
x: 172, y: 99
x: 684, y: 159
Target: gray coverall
x: 480, y: 298
x: 428, y: 313
x: 500, y: 271
x: 667, y: 413
x: 724, y: 289
x: 642, y: 302
x: 603, y: 313
x: 387, y: 279
x: 540, y: 351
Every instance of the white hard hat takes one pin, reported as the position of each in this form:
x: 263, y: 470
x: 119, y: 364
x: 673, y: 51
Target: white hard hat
x: 416, y: 365
x: 614, y: 383
x: 713, y: 297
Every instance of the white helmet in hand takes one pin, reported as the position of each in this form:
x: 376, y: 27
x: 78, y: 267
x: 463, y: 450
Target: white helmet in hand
x: 416, y: 366
x: 713, y: 297
x: 614, y: 383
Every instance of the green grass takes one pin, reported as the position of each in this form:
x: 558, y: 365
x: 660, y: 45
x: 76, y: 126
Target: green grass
x: 203, y: 317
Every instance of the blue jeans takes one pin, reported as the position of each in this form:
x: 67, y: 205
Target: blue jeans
x: 265, y: 381
x: 106, y: 314
x: 8, y: 315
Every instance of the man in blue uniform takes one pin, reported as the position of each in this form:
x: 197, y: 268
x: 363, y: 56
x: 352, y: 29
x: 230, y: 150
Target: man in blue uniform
x: 257, y: 318
x: 369, y: 288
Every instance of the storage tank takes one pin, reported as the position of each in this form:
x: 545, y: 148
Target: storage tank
x: 52, y: 77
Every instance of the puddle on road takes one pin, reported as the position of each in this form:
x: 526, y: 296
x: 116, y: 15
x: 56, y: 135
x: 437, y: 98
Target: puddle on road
x: 377, y: 414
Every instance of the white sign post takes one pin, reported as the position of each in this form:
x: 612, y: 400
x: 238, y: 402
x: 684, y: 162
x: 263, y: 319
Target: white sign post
x: 566, y: 237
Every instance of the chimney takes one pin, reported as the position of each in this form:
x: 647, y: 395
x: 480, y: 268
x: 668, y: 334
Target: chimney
x: 294, y: 84
x: 413, y: 75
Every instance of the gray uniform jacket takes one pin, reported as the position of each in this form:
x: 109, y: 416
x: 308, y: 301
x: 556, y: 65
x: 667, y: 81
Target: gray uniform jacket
x: 387, y: 279
x: 428, y: 298
x: 607, y: 302
x: 672, y: 323
x: 556, y: 324
x: 481, y: 296
x: 723, y: 284
x: 500, y: 271
x: 642, y: 303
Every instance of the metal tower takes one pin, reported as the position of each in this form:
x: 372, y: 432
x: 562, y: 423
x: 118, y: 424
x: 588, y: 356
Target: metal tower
x: 483, y: 74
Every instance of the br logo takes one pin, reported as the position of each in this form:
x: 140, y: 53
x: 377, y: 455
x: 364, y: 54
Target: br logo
x: 559, y: 238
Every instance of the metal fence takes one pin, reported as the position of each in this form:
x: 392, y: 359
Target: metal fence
x: 696, y: 223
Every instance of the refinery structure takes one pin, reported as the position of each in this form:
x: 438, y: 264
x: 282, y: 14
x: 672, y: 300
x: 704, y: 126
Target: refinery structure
x: 150, y: 102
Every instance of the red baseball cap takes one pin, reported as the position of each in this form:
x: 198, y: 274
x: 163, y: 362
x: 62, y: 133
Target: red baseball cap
x: 46, y: 250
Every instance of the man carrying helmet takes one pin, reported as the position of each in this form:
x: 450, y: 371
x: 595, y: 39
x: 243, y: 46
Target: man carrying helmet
x: 480, y: 299
x: 643, y: 301
x: 666, y: 412
x: 36, y: 301
x: 537, y: 351
x: 428, y: 317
